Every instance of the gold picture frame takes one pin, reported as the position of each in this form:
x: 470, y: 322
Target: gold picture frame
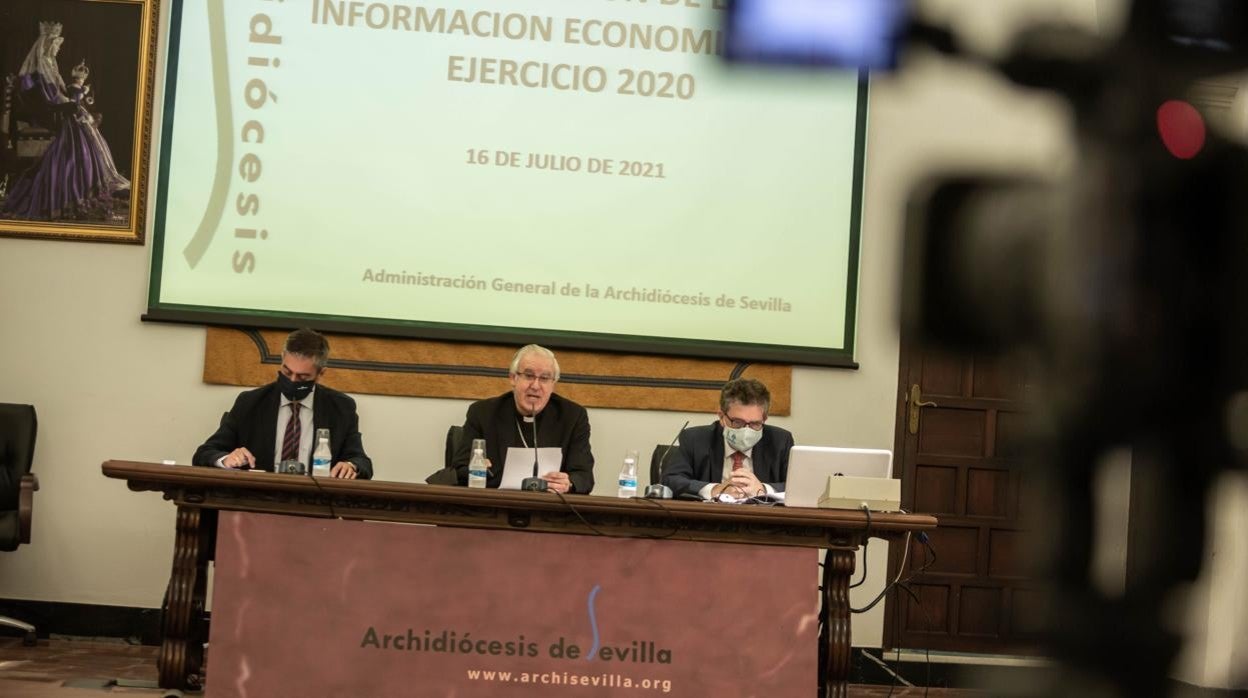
x: 77, y: 79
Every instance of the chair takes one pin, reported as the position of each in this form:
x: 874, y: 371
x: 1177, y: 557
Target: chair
x: 447, y: 475
x: 656, y: 459
x: 26, y: 131
x: 454, y: 437
x: 18, y: 426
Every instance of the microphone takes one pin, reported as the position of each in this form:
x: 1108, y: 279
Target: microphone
x: 657, y: 490
x: 534, y: 483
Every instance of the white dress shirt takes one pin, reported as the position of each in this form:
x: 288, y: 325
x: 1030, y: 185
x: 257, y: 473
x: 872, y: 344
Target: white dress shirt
x: 747, y: 463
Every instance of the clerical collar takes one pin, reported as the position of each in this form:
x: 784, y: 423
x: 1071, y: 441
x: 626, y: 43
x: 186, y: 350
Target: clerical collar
x: 527, y: 417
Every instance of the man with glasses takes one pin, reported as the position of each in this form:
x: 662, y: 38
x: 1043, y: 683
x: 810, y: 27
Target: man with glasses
x: 511, y: 420
x: 737, y: 457
x: 278, y: 421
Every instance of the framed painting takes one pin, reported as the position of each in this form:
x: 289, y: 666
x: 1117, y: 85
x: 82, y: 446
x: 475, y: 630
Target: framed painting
x: 75, y: 121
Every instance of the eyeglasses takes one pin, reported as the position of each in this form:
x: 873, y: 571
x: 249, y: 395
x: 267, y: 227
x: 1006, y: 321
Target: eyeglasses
x: 529, y: 376
x: 738, y: 423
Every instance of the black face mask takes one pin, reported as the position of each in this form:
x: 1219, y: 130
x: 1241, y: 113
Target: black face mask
x: 294, y: 390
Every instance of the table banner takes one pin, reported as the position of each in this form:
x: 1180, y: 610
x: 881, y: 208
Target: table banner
x: 316, y: 607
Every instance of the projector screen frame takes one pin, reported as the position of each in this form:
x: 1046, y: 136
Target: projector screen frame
x: 515, y: 337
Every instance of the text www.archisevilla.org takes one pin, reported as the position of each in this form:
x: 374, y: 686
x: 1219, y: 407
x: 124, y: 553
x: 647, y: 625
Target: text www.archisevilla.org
x: 564, y: 678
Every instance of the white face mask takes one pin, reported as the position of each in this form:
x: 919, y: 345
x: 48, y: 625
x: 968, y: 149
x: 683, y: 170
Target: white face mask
x: 742, y: 439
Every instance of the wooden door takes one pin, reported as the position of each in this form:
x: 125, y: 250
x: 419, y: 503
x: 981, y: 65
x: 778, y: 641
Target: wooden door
x: 961, y: 462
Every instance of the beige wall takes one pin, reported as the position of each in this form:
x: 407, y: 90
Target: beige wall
x: 108, y: 386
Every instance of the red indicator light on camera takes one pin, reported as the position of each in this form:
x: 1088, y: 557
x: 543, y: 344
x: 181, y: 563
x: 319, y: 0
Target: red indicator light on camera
x: 1181, y: 128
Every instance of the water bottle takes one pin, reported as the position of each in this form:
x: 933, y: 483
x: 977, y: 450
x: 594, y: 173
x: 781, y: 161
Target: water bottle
x: 628, y: 475
x: 321, y: 456
x: 477, y: 466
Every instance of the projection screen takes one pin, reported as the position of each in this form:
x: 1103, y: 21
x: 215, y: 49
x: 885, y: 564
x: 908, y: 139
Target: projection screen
x: 572, y: 172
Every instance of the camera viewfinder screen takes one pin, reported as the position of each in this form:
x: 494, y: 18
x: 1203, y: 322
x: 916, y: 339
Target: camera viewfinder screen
x: 848, y: 33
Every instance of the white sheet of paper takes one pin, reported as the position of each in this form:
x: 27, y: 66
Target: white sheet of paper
x: 519, y: 464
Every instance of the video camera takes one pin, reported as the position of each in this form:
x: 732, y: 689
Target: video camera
x: 1123, y: 281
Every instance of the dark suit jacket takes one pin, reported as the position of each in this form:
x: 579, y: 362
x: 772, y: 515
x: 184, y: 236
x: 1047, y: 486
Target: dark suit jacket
x: 699, y: 460
x: 252, y: 423
x: 563, y: 423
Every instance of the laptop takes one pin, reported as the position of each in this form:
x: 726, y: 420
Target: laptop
x: 810, y: 466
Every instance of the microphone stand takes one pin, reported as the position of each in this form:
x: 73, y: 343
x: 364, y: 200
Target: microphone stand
x: 657, y: 490
x: 534, y: 483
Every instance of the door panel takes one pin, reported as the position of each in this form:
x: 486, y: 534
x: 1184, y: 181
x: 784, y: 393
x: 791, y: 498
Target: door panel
x: 936, y: 489
x: 987, y: 492
x: 979, y: 611
x: 951, y: 432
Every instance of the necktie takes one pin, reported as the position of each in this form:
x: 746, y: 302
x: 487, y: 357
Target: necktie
x: 290, y: 442
x: 738, y: 460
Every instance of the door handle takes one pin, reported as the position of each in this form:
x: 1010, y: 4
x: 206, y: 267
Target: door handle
x: 916, y: 403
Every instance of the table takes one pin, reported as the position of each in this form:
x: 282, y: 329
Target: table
x: 199, y: 493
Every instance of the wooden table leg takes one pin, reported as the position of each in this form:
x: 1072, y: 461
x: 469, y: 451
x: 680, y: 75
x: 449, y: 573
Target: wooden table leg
x: 184, y: 629
x: 834, y: 640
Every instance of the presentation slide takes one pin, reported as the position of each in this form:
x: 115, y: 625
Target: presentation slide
x: 581, y: 172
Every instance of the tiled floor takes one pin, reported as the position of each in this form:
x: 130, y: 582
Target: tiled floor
x: 68, y: 668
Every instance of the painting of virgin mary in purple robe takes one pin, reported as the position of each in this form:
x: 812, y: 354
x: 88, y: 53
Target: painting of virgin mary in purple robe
x: 75, y: 178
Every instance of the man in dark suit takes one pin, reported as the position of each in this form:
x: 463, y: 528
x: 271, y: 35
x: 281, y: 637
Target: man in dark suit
x: 509, y: 421
x: 278, y: 421
x: 739, y: 455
